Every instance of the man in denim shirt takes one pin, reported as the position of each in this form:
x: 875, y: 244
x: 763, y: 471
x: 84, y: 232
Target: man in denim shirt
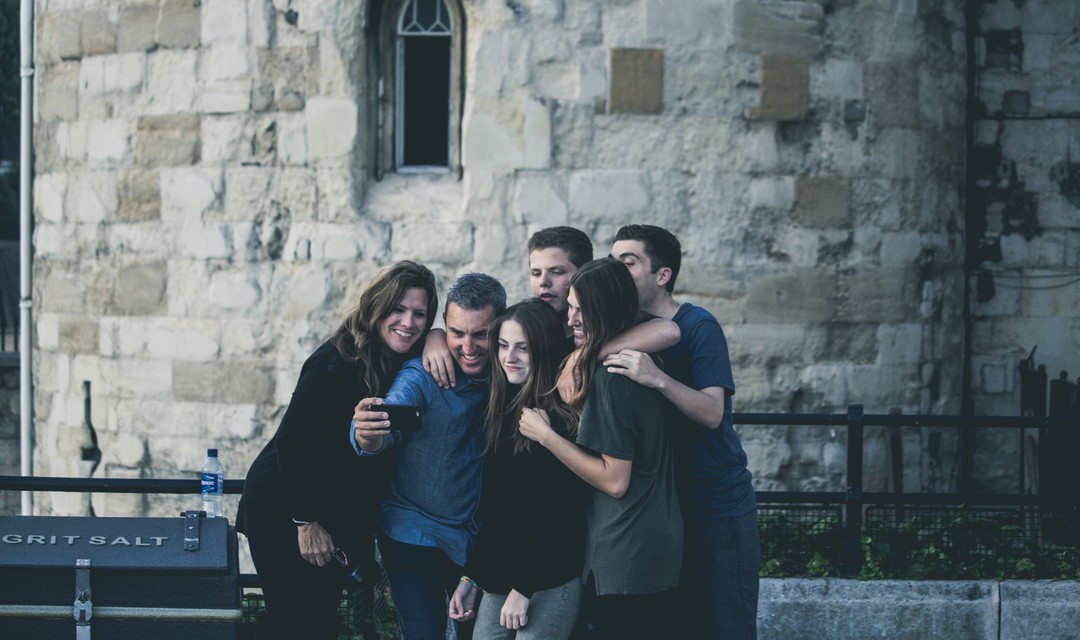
x: 426, y: 521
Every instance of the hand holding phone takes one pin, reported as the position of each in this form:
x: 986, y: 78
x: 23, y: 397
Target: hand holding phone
x: 402, y: 417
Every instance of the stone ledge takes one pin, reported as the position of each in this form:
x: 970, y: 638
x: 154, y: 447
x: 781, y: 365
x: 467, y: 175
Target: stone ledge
x: 898, y: 609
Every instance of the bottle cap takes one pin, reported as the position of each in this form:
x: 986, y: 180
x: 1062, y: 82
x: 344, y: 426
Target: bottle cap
x: 211, y: 453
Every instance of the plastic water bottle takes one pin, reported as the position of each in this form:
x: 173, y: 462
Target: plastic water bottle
x: 213, y: 484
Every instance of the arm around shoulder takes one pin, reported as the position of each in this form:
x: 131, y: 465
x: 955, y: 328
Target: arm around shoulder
x: 651, y: 336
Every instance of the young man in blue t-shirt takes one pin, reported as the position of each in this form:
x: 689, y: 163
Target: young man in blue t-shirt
x: 722, y: 552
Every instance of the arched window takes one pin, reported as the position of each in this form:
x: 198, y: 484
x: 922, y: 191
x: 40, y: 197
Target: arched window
x: 419, y: 86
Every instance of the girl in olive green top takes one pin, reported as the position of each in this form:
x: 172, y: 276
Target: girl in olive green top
x: 633, y: 547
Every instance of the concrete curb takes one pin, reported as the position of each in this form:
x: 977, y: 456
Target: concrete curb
x: 836, y: 609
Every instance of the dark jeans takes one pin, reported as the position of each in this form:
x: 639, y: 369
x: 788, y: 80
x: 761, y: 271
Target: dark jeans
x: 422, y: 579
x: 621, y: 617
x: 301, y: 598
x: 718, y: 589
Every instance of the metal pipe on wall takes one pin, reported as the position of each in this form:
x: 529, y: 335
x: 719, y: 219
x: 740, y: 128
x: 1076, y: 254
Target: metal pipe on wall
x: 26, y: 394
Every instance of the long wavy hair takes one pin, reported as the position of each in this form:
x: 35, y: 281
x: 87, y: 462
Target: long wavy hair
x: 546, y: 345
x: 608, y: 301
x: 357, y: 339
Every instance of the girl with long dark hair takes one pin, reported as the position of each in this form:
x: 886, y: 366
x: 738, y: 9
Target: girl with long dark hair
x: 633, y: 547
x: 530, y: 548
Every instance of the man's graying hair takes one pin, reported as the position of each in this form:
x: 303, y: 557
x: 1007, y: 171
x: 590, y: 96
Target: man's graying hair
x: 475, y: 291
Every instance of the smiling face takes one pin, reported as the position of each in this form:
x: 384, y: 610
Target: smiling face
x: 407, y: 321
x: 550, y: 270
x: 574, y: 318
x: 514, y: 352
x: 467, y: 336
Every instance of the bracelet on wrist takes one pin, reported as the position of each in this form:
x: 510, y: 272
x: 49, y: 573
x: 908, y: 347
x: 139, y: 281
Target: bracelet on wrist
x: 469, y: 581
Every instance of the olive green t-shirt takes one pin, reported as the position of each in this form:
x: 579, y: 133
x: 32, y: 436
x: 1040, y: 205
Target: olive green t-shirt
x: 634, y: 543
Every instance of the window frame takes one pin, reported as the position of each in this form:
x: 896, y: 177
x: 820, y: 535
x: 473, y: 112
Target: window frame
x: 388, y: 81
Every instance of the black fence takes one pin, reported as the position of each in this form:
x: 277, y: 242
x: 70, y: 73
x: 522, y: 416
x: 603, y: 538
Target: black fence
x: 1029, y: 517
x: 1049, y: 514
x: 851, y: 532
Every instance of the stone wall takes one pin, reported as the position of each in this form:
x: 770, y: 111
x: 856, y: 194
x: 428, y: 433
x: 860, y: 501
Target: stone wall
x: 206, y: 213
x: 1024, y: 208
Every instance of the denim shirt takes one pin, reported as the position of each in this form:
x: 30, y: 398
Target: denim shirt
x: 435, y: 488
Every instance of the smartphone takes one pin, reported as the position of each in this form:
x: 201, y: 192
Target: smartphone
x: 402, y: 417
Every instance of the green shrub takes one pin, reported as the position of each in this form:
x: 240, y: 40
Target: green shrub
x: 957, y: 544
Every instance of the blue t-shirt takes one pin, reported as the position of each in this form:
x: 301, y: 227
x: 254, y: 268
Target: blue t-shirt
x: 710, y: 463
x: 435, y: 488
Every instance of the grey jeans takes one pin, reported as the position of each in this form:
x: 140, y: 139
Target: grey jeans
x: 552, y: 613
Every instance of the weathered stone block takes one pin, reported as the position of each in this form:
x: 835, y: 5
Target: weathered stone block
x: 108, y: 141
x: 98, y: 33
x: 234, y: 292
x: 181, y: 22
x: 60, y: 39
x: 331, y: 128
x: 1039, y: 609
x: 187, y: 193
x: 691, y: 24
x: 494, y: 137
x: 336, y: 195
x: 167, y: 141
x: 838, y: 78
x: 784, y: 92
x: 609, y: 196
x: 62, y: 292
x: 540, y: 199
x: 284, y: 72
x: 228, y: 382
x: 49, y: 192
x: 121, y: 73
x: 140, y: 195
x: 410, y: 241
x: 636, y: 83
x: 807, y: 296
x: 776, y: 27
x: 537, y: 135
x: 171, y: 84
x: 226, y: 96
x: 892, y: 88
x: 183, y: 339
x: 777, y: 194
x: 224, y: 20
x: 137, y: 27
x: 900, y: 343
x: 59, y: 97
x: 305, y: 293
x: 92, y: 197
x: 705, y: 280
x: 823, y: 202
x: 139, y: 290
x: 225, y: 61
x: 246, y: 190
x: 204, y: 240
x: 78, y: 335
x: 879, y: 296
x: 292, y: 146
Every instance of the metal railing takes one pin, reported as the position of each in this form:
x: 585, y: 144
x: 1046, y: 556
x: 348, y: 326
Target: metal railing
x: 852, y: 501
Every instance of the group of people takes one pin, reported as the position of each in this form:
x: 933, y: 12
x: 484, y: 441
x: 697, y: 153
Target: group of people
x: 587, y: 483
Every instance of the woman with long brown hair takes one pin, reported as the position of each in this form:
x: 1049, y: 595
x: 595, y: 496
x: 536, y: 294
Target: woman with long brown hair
x: 306, y: 526
x: 633, y: 542
x: 530, y: 548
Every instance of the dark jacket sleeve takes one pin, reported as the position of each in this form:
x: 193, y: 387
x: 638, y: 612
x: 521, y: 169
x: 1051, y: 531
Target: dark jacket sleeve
x: 313, y: 434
